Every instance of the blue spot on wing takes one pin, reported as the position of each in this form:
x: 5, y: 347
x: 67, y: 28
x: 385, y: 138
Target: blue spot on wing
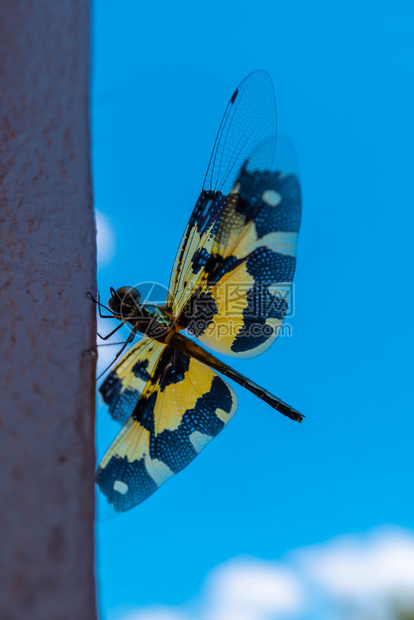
x: 285, y: 217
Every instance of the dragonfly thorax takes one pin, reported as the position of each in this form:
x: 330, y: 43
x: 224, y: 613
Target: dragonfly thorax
x: 150, y: 319
x: 154, y: 321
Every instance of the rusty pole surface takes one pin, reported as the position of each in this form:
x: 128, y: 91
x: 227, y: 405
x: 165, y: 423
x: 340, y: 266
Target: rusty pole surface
x: 47, y: 264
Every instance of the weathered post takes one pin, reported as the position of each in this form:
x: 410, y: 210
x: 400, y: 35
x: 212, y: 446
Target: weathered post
x: 47, y: 323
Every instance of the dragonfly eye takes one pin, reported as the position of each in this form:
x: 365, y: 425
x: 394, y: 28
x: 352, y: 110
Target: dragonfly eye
x: 124, y: 300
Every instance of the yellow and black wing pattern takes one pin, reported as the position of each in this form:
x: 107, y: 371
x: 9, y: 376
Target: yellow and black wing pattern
x: 242, y: 292
x: 183, y: 406
x: 124, y: 385
x: 234, y: 268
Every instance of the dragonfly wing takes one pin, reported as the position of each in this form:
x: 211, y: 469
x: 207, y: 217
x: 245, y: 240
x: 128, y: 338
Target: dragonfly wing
x: 183, y: 406
x: 241, y: 297
x: 126, y: 382
x: 249, y: 121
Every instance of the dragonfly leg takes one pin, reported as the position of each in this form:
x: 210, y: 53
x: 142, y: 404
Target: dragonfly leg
x: 121, y: 350
x: 111, y: 333
x: 100, y: 305
x: 110, y: 344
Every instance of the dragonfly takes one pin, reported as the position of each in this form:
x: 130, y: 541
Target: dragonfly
x: 227, y: 294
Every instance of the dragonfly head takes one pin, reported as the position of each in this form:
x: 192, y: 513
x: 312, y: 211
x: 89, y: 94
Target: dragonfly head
x: 125, y: 301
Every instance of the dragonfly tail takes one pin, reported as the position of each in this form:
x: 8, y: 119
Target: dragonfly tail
x: 193, y: 349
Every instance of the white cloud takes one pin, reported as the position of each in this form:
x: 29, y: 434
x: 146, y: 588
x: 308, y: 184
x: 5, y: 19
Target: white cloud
x: 249, y: 589
x: 365, y: 571
x: 155, y: 613
x: 105, y: 239
x: 349, y: 577
x: 242, y: 589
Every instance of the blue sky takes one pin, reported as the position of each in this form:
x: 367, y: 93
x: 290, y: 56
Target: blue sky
x: 343, y: 76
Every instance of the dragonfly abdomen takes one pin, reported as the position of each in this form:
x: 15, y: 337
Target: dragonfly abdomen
x: 191, y: 348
